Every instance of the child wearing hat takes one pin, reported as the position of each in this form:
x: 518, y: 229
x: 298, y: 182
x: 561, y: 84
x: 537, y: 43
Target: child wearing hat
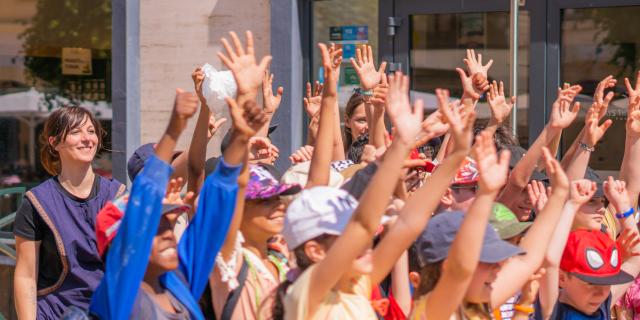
x: 147, y: 272
x: 331, y: 233
x: 496, y: 272
x: 590, y: 268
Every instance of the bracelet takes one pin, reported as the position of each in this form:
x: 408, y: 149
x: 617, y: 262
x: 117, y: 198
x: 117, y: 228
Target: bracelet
x: 523, y: 309
x: 625, y: 214
x: 366, y: 93
x: 587, y: 147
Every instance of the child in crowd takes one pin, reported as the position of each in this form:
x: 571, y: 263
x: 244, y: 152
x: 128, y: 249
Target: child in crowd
x: 147, y: 274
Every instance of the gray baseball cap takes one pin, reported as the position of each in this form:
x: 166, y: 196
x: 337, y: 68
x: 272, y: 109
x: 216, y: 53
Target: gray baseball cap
x: 434, y: 242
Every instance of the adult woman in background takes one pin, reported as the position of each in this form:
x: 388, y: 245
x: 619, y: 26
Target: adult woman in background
x: 57, y: 258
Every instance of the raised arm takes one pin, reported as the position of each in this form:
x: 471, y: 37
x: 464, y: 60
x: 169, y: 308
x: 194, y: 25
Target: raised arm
x: 206, y: 126
x: 361, y: 228
x: 128, y: 254
x: 581, y: 191
x: 629, y: 170
x: 371, y: 79
x: 562, y: 115
x: 617, y: 193
x: 270, y: 103
x: 207, y: 231
x: 499, y: 105
x: 242, y: 63
x: 517, y: 270
x: 322, y: 154
x: 460, y: 265
x: 476, y: 82
x: 592, y: 131
x: 418, y: 209
x: 312, y: 101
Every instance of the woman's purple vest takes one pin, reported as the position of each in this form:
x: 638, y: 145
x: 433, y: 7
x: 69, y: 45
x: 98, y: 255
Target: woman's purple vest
x: 73, y: 226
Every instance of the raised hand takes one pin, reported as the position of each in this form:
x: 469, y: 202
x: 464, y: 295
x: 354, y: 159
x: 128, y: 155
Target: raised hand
x: 562, y: 112
x: 594, y: 132
x: 366, y: 69
x: 498, y: 103
x: 198, y: 78
x: 633, y: 120
x: 173, y: 194
x: 633, y: 91
x: 379, y: 98
x: 460, y: 125
x: 214, y: 125
x: 559, y: 180
x: 433, y: 126
x: 269, y: 101
x: 262, y: 150
x: 184, y: 107
x: 600, y: 100
x: 627, y: 242
x: 331, y: 60
x: 582, y: 191
x: 493, y: 169
x: 468, y: 87
x: 248, y: 119
x: 312, y: 99
x: 538, y: 194
x: 474, y: 64
x: 242, y: 63
x: 616, y: 192
x: 405, y: 119
x: 303, y: 154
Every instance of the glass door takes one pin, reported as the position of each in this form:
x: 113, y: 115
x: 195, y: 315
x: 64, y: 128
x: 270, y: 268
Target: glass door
x: 430, y: 41
x: 594, y: 43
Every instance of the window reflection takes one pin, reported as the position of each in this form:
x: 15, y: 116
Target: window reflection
x: 52, y: 53
x: 438, y: 45
x: 598, y: 42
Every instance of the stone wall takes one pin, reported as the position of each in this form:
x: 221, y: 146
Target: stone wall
x: 176, y: 37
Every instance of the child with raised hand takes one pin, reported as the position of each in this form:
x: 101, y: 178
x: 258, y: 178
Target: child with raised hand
x: 331, y: 234
x: 591, y: 269
x: 147, y: 273
x: 246, y: 273
x: 452, y: 245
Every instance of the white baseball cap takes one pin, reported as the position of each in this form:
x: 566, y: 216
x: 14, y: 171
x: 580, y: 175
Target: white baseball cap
x: 299, y: 174
x: 317, y: 211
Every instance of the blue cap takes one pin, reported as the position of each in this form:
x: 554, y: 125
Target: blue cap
x: 138, y: 158
x: 434, y: 242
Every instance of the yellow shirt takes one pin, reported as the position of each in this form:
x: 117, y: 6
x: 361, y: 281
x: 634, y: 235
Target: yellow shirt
x: 336, y: 305
x: 474, y: 312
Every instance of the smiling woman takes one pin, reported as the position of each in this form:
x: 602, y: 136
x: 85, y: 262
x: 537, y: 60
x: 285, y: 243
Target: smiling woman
x: 55, y: 226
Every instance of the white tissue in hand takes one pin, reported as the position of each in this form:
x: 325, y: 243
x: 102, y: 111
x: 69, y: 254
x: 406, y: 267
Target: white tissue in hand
x: 216, y: 86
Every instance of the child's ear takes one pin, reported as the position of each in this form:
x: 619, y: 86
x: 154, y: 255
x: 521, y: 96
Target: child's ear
x: 414, y: 278
x: 314, y: 251
x: 447, y: 198
x: 563, y: 278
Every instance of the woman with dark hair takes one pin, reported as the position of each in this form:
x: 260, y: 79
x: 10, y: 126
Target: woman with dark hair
x: 57, y: 258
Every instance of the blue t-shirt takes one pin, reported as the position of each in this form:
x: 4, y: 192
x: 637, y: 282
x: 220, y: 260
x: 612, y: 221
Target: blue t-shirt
x: 562, y: 311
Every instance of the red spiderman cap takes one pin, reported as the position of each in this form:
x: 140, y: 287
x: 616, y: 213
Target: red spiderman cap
x: 594, y: 258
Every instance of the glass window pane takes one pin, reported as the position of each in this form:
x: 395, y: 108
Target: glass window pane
x: 597, y: 42
x: 52, y: 53
x: 439, y: 43
x: 345, y: 24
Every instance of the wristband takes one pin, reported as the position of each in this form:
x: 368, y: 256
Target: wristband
x: 625, y: 214
x: 587, y: 147
x: 366, y: 93
x: 523, y: 309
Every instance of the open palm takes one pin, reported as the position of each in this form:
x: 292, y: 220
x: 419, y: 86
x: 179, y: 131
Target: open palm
x: 242, y: 63
x: 366, y: 69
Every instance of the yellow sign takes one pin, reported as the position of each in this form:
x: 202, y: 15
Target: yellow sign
x: 76, y: 61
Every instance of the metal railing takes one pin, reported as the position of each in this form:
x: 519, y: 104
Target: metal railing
x: 7, y: 241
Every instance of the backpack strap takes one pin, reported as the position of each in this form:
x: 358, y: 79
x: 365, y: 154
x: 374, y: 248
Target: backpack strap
x: 234, y: 296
